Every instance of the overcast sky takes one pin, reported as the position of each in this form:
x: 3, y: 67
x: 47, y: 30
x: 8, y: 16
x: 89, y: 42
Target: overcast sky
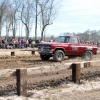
x: 76, y: 16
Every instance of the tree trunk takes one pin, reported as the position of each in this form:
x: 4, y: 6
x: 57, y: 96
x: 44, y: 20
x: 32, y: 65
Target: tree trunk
x: 36, y: 23
x: 27, y: 32
x: 0, y: 27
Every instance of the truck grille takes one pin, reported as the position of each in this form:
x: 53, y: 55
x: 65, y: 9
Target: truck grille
x: 44, y: 47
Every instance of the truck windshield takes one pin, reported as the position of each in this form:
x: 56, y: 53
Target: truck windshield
x: 62, y: 39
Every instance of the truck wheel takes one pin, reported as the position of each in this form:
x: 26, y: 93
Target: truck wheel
x: 44, y: 57
x: 58, y: 55
x: 87, y: 55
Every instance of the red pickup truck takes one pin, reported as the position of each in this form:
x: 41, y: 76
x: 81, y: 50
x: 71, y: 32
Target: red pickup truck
x: 66, y: 46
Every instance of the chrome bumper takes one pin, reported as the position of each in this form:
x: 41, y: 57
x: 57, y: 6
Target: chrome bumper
x: 45, y: 52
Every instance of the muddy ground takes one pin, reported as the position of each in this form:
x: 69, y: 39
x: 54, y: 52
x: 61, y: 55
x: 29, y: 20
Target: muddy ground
x: 45, y: 80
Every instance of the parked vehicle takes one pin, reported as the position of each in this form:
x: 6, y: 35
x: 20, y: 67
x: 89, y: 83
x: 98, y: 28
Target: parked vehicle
x: 66, y: 46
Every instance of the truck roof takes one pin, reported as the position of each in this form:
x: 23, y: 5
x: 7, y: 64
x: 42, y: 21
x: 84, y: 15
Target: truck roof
x: 69, y: 35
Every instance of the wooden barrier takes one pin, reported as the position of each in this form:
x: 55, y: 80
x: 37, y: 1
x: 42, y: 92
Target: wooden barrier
x: 22, y: 74
x: 32, y: 52
x: 87, y: 64
x: 21, y: 82
x: 12, y: 53
x: 76, y: 73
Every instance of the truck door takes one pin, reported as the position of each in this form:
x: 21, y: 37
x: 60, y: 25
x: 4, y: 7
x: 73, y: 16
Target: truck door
x: 73, y: 46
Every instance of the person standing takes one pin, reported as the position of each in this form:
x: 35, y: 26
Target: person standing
x: 30, y: 42
x: 33, y: 43
x: 26, y: 43
x: 13, y: 42
x: 22, y: 43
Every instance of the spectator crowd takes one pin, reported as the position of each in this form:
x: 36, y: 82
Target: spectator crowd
x: 11, y: 42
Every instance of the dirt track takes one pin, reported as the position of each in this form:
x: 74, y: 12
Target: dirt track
x: 29, y: 61
x: 45, y: 80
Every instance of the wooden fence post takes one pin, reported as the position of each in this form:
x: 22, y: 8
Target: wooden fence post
x: 87, y: 64
x: 21, y: 82
x: 12, y: 53
x: 76, y: 73
x: 32, y: 52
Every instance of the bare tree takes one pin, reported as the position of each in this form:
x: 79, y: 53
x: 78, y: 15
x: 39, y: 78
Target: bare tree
x: 26, y: 16
x: 11, y: 21
x: 14, y: 17
x: 8, y: 21
x: 11, y: 18
x: 48, y: 14
x: 3, y: 7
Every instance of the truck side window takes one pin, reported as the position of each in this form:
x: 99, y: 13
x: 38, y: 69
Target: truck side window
x: 73, y: 40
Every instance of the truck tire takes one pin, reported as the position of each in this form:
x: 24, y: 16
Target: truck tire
x: 44, y: 57
x: 87, y: 55
x: 58, y: 55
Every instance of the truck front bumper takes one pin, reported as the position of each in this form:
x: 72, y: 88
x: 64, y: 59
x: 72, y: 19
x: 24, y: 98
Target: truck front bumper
x: 45, y: 52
